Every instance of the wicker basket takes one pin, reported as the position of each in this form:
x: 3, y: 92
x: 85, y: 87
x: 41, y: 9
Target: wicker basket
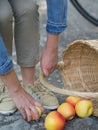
x: 79, y: 70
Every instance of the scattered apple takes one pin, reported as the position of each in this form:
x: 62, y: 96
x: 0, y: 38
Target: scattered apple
x: 84, y: 108
x: 72, y: 100
x: 39, y: 112
x: 54, y: 121
x: 67, y: 110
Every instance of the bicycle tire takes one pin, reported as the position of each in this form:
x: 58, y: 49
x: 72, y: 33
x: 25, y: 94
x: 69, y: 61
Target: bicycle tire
x: 84, y: 13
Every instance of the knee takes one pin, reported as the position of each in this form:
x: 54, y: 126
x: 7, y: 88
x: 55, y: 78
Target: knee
x: 5, y: 17
x: 30, y: 11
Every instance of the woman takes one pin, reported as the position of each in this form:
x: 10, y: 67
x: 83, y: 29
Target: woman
x: 26, y: 35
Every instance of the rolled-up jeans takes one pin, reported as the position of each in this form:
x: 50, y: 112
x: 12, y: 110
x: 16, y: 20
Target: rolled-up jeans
x: 5, y: 60
x: 26, y: 31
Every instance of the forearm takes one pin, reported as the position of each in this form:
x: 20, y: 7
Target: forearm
x: 49, y: 57
x: 52, y: 41
x: 11, y: 81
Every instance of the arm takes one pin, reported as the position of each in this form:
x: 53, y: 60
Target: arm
x: 56, y: 16
x: 49, y: 57
x: 56, y: 23
x: 24, y: 102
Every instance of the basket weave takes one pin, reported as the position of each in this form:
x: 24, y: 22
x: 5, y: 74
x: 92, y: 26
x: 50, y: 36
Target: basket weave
x: 79, y: 70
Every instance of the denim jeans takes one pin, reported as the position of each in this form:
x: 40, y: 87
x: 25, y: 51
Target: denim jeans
x: 57, y: 15
x: 56, y: 23
x: 5, y: 60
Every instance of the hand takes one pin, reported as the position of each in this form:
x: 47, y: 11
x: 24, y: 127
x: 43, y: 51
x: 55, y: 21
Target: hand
x: 48, y: 61
x: 26, y: 104
x: 49, y: 57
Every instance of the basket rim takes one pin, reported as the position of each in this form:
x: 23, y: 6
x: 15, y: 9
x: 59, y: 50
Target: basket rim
x: 92, y: 46
x: 65, y: 91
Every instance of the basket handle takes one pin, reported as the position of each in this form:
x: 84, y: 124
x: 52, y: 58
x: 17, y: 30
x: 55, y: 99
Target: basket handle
x: 64, y: 91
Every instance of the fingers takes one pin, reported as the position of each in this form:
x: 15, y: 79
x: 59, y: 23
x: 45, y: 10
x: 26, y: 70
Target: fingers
x: 34, y: 113
x: 27, y: 105
x: 40, y: 106
x: 48, y: 70
x: 23, y: 112
x: 46, y: 73
x: 29, y: 114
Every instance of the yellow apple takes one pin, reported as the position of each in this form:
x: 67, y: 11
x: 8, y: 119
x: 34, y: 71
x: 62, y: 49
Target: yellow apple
x: 54, y: 121
x: 67, y: 110
x: 72, y: 100
x: 39, y: 112
x: 84, y: 108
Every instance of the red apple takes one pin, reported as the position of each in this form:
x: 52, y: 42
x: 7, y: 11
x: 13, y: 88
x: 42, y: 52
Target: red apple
x: 72, y: 100
x: 67, y: 110
x: 54, y: 121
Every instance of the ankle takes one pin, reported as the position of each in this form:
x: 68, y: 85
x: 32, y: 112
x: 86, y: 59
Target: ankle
x: 28, y: 75
x: 24, y: 85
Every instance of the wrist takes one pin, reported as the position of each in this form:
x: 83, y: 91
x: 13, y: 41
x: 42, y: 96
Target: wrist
x: 14, y: 90
x: 52, y: 41
x: 11, y: 82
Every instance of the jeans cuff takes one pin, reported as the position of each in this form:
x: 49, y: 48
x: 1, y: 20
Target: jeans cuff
x: 8, y: 66
x: 55, y: 29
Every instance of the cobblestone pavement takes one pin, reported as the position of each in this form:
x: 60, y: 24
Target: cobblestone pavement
x: 78, y: 28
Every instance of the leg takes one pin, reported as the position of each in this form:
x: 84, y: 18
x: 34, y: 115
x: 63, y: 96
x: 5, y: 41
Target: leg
x: 7, y: 105
x: 6, y: 20
x: 26, y: 37
x: 24, y: 102
x: 27, y: 47
x: 28, y: 75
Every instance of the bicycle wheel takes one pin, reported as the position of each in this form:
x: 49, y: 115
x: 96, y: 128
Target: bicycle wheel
x: 84, y: 12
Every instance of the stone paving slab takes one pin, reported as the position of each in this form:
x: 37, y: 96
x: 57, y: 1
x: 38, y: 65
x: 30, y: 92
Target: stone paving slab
x: 78, y: 28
